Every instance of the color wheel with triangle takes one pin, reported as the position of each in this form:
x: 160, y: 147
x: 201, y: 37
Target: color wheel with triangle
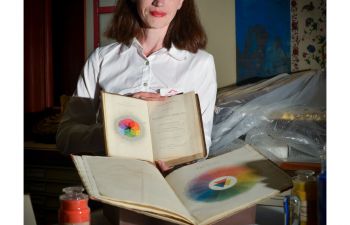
x: 221, y: 183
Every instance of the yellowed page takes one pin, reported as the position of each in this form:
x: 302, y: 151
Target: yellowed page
x: 123, y: 139
x: 129, y: 183
x: 221, y: 186
x: 147, y: 210
x: 176, y: 128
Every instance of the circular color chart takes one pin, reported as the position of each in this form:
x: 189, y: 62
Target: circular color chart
x: 129, y: 128
x: 221, y: 184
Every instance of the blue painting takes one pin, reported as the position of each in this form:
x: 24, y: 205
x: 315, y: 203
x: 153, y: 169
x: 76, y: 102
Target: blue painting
x: 263, y: 37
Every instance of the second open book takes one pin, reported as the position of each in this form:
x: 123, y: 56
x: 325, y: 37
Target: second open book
x: 169, y: 130
x: 201, y: 193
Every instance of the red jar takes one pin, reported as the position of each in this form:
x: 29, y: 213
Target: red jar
x: 74, y: 209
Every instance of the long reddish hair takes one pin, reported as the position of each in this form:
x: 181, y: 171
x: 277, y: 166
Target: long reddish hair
x: 185, y: 30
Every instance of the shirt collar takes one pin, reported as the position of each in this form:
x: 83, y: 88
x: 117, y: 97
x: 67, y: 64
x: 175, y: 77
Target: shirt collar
x: 177, y: 53
x: 134, y: 43
x: 173, y: 51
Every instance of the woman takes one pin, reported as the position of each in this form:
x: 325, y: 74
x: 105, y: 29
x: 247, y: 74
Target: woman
x: 158, y: 47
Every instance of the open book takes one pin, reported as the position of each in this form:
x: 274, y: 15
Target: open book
x: 200, y: 193
x: 169, y: 130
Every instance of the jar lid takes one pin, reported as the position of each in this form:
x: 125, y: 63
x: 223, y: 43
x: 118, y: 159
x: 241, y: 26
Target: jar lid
x: 73, y: 193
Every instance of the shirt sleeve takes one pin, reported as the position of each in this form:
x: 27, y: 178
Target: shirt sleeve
x: 207, y: 97
x: 79, y: 131
x: 88, y: 79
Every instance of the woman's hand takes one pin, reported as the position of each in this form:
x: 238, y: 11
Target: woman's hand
x: 148, y: 96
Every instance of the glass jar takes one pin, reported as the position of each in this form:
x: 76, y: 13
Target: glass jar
x: 74, y: 209
x: 322, y: 191
x: 305, y: 188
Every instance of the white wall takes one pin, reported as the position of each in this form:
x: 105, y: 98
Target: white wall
x: 218, y: 19
x: 89, y: 27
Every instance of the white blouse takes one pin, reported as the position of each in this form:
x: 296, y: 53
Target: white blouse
x: 123, y: 69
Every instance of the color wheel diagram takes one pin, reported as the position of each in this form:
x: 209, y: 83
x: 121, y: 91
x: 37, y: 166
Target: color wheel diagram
x: 128, y: 127
x: 221, y: 183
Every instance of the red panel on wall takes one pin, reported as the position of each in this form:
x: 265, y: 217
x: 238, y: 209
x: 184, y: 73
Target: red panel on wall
x: 97, y: 11
x: 38, y: 85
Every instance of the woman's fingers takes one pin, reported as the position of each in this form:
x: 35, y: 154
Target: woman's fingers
x: 148, y: 96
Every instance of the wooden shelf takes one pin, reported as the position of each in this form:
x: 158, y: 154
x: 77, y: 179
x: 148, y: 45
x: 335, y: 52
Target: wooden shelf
x: 46, y: 172
x: 31, y: 145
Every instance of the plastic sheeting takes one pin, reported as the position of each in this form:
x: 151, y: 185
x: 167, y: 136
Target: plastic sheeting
x: 285, y: 115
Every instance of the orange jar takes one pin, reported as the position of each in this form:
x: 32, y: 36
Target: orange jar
x: 74, y: 209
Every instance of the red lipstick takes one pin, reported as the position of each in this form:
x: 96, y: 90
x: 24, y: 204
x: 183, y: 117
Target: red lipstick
x: 157, y: 13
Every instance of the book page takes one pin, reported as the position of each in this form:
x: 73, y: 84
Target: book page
x: 127, y: 130
x: 218, y: 187
x: 129, y: 183
x: 176, y: 128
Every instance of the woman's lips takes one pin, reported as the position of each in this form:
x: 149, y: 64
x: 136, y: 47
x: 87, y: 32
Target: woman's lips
x: 157, y: 13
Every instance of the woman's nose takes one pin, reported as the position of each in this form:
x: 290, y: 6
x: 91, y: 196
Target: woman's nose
x: 158, y: 3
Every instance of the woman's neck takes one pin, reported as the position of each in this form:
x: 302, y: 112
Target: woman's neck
x: 152, y: 40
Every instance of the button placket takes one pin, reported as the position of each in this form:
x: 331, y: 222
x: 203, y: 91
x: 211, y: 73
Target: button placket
x: 146, y: 75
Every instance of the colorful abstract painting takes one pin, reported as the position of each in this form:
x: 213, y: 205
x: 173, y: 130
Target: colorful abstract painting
x: 308, y: 34
x: 221, y: 183
x: 263, y: 37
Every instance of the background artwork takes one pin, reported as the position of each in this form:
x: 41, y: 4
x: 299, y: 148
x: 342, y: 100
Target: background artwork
x: 308, y: 34
x: 263, y: 38
x: 221, y: 183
